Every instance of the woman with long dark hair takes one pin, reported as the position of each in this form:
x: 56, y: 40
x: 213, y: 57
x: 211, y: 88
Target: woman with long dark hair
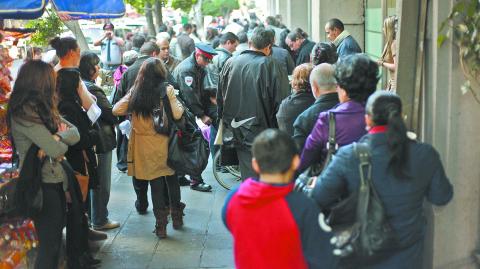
x: 147, y: 149
x: 33, y: 118
x: 89, y: 71
x: 404, y: 173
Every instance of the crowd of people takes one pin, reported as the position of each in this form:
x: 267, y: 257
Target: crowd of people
x: 277, y: 91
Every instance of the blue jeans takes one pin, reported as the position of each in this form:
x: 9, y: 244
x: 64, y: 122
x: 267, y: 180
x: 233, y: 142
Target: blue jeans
x: 101, y: 195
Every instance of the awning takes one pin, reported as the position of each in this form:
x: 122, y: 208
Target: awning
x: 67, y: 9
x: 91, y: 9
x: 22, y: 9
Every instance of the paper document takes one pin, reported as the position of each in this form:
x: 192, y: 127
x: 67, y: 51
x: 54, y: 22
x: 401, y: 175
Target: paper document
x: 94, y: 113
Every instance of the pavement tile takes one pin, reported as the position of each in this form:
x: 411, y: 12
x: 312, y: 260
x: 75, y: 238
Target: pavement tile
x: 203, y: 242
x: 189, y: 258
x: 217, y: 258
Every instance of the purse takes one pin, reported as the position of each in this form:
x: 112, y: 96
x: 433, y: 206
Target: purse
x: 188, y: 151
x: 306, y: 178
x: 160, y: 119
x: 83, y: 180
x: 368, y: 237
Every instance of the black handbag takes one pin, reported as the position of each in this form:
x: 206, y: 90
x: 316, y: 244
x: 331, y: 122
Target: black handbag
x: 368, y: 236
x: 305, y: 179
x: 160, y: 118
x: 188, y: 151
x: 29, y: 193
x: 106, y: 137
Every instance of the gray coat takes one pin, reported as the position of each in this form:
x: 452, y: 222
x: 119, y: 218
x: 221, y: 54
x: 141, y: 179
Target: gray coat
x: 25, y: 133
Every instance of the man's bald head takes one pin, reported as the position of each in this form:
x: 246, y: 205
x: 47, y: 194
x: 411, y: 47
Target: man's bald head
x: 323, y: 79
x: 164, y: 46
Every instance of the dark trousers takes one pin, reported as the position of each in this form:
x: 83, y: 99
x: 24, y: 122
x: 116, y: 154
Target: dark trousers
x: 49, y: 225
x: 245, y: 162
x: 165, y: 191
x: 122, y: 148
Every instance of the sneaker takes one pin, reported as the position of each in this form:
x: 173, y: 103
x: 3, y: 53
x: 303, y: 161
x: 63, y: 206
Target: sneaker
x: 107, y: 226
x: 203, y: 187
x: 96, y: 235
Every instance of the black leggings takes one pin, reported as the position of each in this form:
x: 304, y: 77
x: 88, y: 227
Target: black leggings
x: 49, y: 225
x: 165, y: 191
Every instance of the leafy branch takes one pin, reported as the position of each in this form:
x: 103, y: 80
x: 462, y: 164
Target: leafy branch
x: 46, y: 28
x: 464, y: 24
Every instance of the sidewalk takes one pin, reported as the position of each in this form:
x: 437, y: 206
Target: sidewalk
x: 204, y: 241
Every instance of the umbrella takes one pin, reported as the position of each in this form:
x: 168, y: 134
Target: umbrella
x: 67, y: 9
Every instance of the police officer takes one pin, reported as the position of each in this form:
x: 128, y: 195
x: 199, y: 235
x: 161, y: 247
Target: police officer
x: 190, y: 75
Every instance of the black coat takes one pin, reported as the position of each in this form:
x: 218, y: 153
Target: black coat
x: 189, y: 77
x: 284, y: 59
x: 252, y: 86
x: 128, y: 78
x: 291, y: 107
x: 70, y: 108
x: 303, y: 53
x: 107, y: 119
x: 304, y: 123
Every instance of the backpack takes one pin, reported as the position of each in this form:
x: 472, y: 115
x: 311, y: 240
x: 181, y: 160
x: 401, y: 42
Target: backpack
x: 369, y: 236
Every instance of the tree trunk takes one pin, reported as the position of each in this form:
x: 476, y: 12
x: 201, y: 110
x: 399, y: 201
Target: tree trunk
x: 197, y: 9
x: 158, y: 13
x: 74, y: 26
x: 149, y: 16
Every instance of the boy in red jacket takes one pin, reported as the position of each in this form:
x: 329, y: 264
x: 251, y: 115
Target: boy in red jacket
x: 272, y: 226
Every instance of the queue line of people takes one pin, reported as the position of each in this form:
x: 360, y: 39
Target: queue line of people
x: 249, y: 92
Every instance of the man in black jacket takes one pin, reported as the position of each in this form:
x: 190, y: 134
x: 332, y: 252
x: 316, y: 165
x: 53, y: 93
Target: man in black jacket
x: 251, y: 88
x: 190, y: 75
x: 323, y: 85
x: 148, y: 49
x: 298, y: 42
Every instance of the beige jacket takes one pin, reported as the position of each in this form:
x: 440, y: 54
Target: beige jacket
x: 147, y: 150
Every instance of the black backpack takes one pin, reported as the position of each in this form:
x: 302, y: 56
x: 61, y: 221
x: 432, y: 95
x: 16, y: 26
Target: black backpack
x: 362, y: 233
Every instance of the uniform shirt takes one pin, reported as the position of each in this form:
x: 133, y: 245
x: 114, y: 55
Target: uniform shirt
x: 115, y: 52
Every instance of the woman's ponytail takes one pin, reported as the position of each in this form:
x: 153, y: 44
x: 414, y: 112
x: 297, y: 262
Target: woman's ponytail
x: 386, y: 109
x: 397, y: 140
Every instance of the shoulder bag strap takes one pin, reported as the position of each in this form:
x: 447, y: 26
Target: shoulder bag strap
x: 365, y: 170
x: 332, y: 140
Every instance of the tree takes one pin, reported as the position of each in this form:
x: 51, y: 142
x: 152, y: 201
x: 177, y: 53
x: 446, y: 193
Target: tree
x: 185, y: 5
x: 145, y: 7
x: 219, y: 7
x: 47, y: 27
x: 158, y: 12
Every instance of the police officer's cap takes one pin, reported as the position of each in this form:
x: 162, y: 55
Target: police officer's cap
x: 205, y: 48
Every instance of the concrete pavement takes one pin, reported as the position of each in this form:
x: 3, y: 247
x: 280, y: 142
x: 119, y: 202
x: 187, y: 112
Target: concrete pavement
x: 204, y: 242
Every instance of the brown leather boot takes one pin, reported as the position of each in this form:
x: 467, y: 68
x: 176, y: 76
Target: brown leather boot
x: 177, y: 216
x: 161, y: 215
